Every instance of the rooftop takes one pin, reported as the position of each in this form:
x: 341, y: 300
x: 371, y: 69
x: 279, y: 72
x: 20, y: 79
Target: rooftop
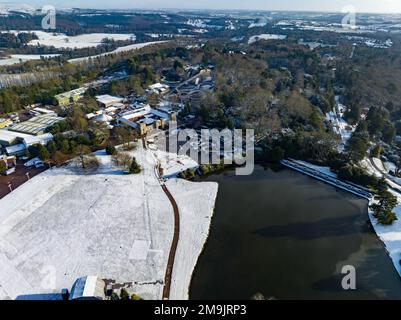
x: 74, y: 92
x: 10, y: 136
x: 88, y: 287
x: 36, y: 124
x: 107, y: 99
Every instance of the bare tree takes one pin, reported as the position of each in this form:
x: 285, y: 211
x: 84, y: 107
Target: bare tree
x: 125, y: 136
x: 122, y: 159
x: 81, y: 151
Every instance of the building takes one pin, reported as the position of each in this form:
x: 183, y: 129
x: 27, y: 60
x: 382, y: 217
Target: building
x: 145, y: 119
x: 106, y: 100
x: 16, y: 143
x: 158, y: 88
x: 36, y: 125
x: 38, y: 111
x: 104, y: 118
x: 8, y: 138
x: 64, y: 99
x: 10, y: 162
x: 5, y: 123
x: 88, y: 288
x: 41, y: 139
x: 23, y: 143
x: 16, y: 150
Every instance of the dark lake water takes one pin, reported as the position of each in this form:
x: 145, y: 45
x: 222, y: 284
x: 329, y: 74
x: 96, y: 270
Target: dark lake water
x: 288, y: 236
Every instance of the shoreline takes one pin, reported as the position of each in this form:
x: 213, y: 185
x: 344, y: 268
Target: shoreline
x: 202, y: 252
x: 192, y: 240
x: 390, y: 236
x: 396, y: 260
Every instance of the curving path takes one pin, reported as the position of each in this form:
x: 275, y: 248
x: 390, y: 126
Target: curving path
x: 176, y: 236
x: 171, y: 256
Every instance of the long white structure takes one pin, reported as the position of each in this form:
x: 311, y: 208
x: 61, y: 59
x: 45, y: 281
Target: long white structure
x: 347, y: 186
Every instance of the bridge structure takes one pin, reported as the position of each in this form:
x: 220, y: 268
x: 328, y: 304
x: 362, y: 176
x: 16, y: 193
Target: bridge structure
x: 331, y: 180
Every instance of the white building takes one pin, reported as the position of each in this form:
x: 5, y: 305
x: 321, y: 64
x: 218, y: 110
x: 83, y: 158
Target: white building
x: 158, y: 88
x: 88, y: 288
x: 16, y: 143
x: 107, y: 100
x: 146, y: 118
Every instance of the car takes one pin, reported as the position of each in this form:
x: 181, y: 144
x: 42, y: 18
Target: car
x: 39, y: 164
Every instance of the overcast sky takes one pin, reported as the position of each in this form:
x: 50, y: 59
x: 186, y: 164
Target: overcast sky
x: 305, y: 5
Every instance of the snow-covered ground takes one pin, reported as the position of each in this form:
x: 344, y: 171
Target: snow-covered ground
x: 259, y: 23
x: 390, y: 235
x: 340, y: 126
x: 266, y: 36
x: 173, y: 164
x: 17, y: 58
x: 7, y: 8
x: 64, y: 224
x: 60, y: 40
x: 199, y: 23
x: 325, y: 170
x: 365, y: 163
x: 130, y: 47
x: 196, y: 204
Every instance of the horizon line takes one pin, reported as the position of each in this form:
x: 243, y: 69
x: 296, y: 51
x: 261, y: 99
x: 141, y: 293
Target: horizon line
x: 206, y: 9
x: 233, y: 10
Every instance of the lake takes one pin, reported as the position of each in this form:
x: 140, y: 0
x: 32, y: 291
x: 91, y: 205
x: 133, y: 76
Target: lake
x: 287, y: 236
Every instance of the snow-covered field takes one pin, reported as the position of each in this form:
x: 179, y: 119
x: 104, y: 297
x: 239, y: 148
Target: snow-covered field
x: 259, y: 23
x: 60, y: 40
x: 266, y: 36
x: 64, y: 224
x: 173, y: 164
x: 17, y: 58
x: 130, y: 47
x: 196, y: 204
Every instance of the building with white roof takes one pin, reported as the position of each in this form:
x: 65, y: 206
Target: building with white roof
x: 25, y: 142
x: 158, y: 88
x: 8, y: 138
x: 103, y: 118
x: 107, y: 100
x: 146, y: 118
x: 88, y: 288
x: 16, y: 143
x: 41, y: 139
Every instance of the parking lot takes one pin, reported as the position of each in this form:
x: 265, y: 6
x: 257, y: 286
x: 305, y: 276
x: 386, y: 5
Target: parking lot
x: 17, y: 178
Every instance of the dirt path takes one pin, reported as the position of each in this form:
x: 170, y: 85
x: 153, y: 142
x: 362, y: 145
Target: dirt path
x: 174, y: 244
x: 173, y: 249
